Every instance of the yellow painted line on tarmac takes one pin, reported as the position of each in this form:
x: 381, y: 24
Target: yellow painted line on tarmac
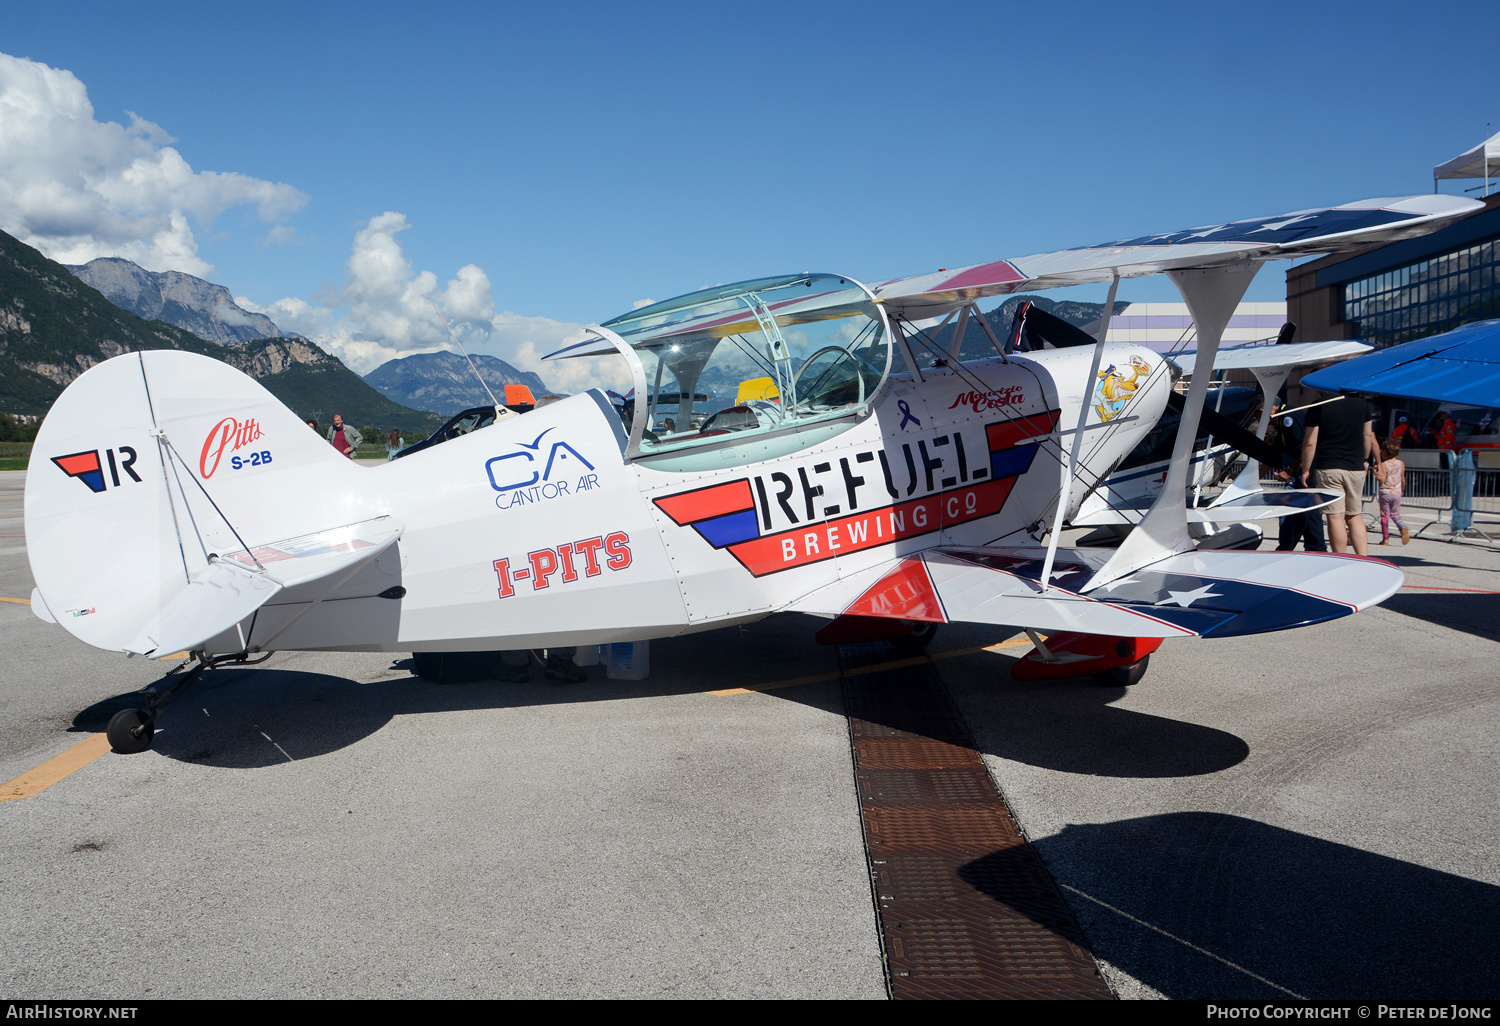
x: 19, y: 602
x: 54, y: 769
x: 174, y: 655
x: 894, y: 664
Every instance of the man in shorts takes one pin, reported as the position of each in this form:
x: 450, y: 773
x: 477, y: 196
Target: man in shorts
x: 1338, y: 445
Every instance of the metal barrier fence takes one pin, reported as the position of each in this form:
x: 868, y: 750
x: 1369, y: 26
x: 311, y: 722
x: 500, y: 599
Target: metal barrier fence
x: 1461, y: 491
x: 1476, y: 494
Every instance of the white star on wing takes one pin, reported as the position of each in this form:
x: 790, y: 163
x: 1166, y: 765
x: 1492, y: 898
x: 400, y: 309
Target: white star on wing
x: 1276, y: 226
x: 1112, y: 585
x: 1201, y: 232
x: 1187, y: 598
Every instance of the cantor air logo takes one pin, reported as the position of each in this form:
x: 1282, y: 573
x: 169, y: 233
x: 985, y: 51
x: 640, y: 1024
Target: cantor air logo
x: 524, y: 476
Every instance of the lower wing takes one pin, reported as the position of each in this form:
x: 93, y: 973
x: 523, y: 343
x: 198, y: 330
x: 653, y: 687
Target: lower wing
x: 1193, y: 594
x: 1240, y: 510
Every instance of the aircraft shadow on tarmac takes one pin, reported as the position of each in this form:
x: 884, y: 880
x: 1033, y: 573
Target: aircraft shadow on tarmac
x: 267, y: 715
x: 1477, y: 614
x: 252, y: 718
x: 247, y: 718
x: 1323, y: 920
x: 1072, y: 726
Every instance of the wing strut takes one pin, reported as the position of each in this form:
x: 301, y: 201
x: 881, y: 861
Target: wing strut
x: 1211, y: 294
x: 1270, y: 380
x: 985, y: 324
x: 958, y: 333
x: 1083, y: 416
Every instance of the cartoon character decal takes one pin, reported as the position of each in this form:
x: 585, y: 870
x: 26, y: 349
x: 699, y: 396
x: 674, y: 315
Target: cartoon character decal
x: 1114, y: 390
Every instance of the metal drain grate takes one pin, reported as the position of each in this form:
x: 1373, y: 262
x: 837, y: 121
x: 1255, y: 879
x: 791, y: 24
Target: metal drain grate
x: 966, y: 908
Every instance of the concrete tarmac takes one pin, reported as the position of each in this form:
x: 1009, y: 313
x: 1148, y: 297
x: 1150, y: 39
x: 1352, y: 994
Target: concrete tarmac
x: 1309, y: 812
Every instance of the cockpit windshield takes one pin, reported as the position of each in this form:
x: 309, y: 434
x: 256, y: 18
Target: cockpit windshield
x: 753, y: 359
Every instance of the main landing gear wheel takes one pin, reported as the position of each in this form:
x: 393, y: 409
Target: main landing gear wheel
x: 1124, y: 676
x: 130, y: 731
x: 920, y: 637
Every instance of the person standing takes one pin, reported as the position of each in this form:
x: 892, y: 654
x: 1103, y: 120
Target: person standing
x: 1391, y: 473
x: 1306, y: 528
x: 394, y: 443
x: 1447, y: 430
x: 1403, y: 432
x: 345, y: 439
x: 1338, y: 445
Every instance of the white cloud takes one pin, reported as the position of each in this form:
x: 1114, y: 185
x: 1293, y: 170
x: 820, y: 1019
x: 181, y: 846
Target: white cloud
x: 640, y: 304
x: 281, y: 235
x: 387, y: 316
x: 570, y: 376
x: 227, y: 314
x: 78, y: 188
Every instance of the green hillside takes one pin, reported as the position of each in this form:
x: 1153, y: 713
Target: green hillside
x: 320, y: 389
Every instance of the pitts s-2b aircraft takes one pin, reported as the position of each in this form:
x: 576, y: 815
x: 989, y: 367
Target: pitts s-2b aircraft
x: 172, y: 503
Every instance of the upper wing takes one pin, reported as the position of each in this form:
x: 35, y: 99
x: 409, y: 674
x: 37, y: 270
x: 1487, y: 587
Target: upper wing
x: 1265, y: 357
x: 1191, y: 594
x: 1324, y: 230
x: 1459, y: 366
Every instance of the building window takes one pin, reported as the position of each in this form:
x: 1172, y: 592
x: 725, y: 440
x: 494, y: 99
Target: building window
x: 1425, y: 297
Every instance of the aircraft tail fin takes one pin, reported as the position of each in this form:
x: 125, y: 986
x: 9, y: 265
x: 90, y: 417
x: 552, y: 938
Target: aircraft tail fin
x: 150, y: 471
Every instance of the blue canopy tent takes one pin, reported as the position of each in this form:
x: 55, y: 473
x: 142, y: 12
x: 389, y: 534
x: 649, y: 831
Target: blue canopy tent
x: 1461, y: 366
x: 1458, y: 366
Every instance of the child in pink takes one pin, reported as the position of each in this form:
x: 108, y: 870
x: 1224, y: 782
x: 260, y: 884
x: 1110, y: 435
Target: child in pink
x: 1391, y: 473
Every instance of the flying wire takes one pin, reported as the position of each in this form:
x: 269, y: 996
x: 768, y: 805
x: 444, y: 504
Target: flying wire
x: 461, y: 349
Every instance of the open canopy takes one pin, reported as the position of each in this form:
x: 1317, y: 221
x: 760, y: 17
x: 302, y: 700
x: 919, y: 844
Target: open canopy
x: 1458, y: 366
x: 1483, y: 161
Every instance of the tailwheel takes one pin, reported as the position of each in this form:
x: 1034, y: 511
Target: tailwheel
x: 1123, y: 676
x: 130, y: 731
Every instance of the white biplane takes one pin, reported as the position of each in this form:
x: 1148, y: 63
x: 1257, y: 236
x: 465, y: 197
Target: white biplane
x: 172, y: 503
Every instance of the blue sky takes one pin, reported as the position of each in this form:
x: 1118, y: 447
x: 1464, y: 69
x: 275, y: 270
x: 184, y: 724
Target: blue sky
x: 583, y: 157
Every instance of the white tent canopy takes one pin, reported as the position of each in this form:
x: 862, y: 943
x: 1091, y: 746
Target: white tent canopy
x: 1471, y: 163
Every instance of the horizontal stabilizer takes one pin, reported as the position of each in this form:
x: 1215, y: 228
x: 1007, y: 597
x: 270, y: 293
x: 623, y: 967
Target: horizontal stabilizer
x: 234, y: 586
x: 1241, y: 510
x: 217, y: 598
x: 312, y: 557
x: 1203, y: 594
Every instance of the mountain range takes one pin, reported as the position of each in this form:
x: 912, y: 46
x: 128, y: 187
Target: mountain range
x: 53, y: 327
x: 443, y: 382
x: 207, y: 310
